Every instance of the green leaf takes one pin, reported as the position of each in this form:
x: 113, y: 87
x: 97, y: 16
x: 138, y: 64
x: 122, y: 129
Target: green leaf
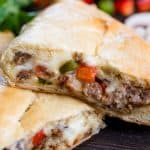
x: 2, y: 2
x: 12, y: 17
x: 22, y: 3
x: 7, y: 8
x: 26, y: 16
x: 11, y: 23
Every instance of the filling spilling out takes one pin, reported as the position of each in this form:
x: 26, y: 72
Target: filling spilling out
x: 82, y: 77
x: 60, y: 135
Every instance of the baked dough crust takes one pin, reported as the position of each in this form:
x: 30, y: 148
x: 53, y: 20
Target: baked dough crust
x: 14, y: 103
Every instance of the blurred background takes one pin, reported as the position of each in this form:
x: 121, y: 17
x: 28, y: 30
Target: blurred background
x: 134, y: 13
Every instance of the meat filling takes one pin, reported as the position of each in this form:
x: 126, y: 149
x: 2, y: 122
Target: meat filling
x: 88, y: 81
x: 62, y: 134
x: 24, y: 75
x: 21, y: 58
x: 112, y: 93
x: 43, y: 72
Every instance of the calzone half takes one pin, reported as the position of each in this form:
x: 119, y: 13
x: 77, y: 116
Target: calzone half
x: 74, y: 49
x: 39, y: 121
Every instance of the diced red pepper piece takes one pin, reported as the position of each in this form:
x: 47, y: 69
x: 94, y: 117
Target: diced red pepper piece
x: 42, y: 72
x: 38, y: 138
x: 86, y: 73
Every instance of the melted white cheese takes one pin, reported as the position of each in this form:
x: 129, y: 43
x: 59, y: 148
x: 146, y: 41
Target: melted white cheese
x: 90, y: 60
x: 26, y: 66
x: 78, y: 127
x: 54, y: 62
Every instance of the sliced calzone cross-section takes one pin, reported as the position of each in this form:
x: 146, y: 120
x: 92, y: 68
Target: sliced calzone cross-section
x: 62, y: 122
x: 74, y: 49
x: 39, y: 121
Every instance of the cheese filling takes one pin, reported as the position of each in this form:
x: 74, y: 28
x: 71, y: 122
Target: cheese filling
x: 81, y: 76
x: 64, y: 133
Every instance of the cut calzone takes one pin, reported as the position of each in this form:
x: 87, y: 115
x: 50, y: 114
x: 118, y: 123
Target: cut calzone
x: 39, y: 121
x: 74, y: 49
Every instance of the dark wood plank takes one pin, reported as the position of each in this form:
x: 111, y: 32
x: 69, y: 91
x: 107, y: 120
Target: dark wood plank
x: 119, y: 136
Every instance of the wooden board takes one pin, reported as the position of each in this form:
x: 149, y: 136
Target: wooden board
x: 119, y: 136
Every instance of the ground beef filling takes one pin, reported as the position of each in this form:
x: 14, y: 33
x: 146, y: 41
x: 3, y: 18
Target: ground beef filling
x: 83, y: 80
x: 21, y: 58
x: 120, y: 96
x: 24, y: 75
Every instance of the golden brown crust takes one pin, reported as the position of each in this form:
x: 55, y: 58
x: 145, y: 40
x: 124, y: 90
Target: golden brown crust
x: 124, y: 50
x: 50, y: 108
x: 139, y: 116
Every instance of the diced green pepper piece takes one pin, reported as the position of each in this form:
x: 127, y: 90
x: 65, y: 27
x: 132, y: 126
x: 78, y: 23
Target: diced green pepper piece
x: 68, y: 66
x: 43, y: 81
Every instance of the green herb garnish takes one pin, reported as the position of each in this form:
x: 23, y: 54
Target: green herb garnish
x: 13, y: 15
x: 68, y: 66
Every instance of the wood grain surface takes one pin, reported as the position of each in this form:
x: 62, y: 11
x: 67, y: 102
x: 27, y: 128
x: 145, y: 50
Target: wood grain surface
x: 119, y: 136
